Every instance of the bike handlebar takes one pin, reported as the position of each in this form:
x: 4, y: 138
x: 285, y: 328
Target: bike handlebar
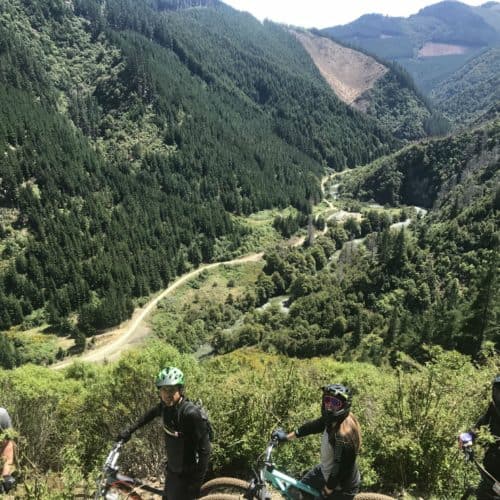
x: 466, y: 445
x: 113, y: 456
x: 269, y: 451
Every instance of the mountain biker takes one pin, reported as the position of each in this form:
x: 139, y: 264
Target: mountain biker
x: 491, y: 460
x: 187, y: 438
x: 7, y: 448
x: 337, y: 476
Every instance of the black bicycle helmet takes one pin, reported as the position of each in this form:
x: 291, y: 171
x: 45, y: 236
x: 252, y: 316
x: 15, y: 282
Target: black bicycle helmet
x: 335, y: 403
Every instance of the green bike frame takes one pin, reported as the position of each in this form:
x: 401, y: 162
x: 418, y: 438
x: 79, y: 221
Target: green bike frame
x: 287, y: 485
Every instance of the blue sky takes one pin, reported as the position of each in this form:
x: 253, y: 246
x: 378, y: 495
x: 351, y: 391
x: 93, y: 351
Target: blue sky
x: 326, y: 13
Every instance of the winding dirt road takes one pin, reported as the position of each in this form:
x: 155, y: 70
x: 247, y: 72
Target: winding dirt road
x: 133, y: 330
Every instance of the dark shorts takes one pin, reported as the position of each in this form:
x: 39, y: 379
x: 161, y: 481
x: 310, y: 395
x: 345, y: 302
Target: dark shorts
x: 315, y: 479
x: 180, y: 487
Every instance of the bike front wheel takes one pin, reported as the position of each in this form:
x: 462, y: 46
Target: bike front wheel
x: 224, y: 488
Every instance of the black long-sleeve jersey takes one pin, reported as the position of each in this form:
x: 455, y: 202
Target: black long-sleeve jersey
x: 187, y: 438
x: 345, y: 470
x: 492, y: 456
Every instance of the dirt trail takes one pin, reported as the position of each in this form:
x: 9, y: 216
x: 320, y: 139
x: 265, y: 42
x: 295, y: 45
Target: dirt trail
x: 133, y: 330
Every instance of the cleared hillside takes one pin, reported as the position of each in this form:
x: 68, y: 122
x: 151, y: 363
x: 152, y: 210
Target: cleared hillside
x: 382, y: 91
x: 349, y: 73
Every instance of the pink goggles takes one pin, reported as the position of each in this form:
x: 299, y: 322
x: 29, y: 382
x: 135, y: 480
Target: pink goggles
x: 333, y: 403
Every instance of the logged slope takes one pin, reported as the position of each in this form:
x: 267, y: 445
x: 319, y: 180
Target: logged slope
x: 380, y: 90
x: 350, y: 73
x: 130, y: 130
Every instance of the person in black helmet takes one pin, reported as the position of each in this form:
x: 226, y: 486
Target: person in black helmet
x: 187, y: 436
x: 337, y: 476
x: 491, y: 460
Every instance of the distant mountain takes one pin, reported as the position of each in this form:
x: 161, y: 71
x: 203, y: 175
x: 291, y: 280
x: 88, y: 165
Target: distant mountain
x: 431, y: 44
x: 381, y: 90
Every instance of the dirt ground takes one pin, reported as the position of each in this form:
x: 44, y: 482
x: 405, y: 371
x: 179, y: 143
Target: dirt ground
x: 348, y: 72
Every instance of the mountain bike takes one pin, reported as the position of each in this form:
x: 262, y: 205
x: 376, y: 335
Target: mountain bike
x: 268, y: 474
x: 467, y: 448
x: 111, y: 485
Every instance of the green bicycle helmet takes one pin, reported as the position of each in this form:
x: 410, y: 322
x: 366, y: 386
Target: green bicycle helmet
x: 169, y: 376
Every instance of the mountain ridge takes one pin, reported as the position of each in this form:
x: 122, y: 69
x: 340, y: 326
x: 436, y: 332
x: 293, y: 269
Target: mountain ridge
x: 448, y: 28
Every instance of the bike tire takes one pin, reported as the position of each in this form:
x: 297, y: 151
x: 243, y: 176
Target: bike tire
x: 232, y: 487
x: 365, y: 495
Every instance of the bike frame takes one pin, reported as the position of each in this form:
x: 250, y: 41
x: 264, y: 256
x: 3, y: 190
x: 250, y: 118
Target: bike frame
x: 470, y: 457
x: 110, y: 478
x: 284, y: 483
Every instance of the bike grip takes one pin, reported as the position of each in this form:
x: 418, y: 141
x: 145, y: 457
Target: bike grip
x: 8, y: 483
x: 279, y: 435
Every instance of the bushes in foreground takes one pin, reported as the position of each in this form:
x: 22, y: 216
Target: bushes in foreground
x: 410, y: 416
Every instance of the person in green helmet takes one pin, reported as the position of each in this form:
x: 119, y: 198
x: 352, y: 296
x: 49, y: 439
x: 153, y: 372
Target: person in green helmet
x: 186, y: 432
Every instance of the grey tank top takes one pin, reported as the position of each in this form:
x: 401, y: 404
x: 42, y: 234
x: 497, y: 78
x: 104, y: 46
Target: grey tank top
x: 326, y: 456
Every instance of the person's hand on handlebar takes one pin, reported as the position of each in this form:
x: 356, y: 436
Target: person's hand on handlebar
x: 8, y: 482
x: 279, y: 435
x: 124, y: 435
x: 465, y: 441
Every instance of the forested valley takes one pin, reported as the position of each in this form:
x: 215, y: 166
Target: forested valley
x: 125, y: 151
x: 142, y: 139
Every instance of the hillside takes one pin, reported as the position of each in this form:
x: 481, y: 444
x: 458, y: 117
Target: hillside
x: 132, y: 132
x: 350, y: 73
x: 458, y: 178
x: 431, y: 44
x: 369, y: 290
x: 377, y: 89
x: 472, y: 90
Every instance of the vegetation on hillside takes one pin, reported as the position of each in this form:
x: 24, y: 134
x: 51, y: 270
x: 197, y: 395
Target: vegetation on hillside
x: 472, y: 90
x: 436, y: 282
x: 401, y: 110
x: 410, y: 416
